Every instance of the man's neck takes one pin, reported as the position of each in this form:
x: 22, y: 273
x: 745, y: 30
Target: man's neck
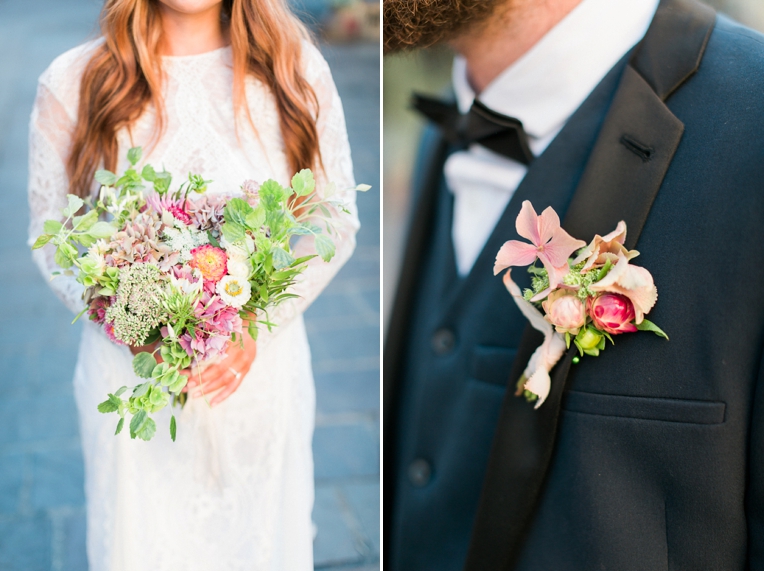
x: 491, y: 48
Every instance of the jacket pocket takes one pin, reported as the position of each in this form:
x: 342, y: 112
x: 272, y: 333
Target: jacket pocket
x: 645, y: 408
x: 492, y: 364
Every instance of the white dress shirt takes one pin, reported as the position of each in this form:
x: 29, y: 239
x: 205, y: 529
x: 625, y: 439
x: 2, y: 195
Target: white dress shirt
x: 542, y: 89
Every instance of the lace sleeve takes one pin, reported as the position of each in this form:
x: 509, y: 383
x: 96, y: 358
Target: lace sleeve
x: 50, y: 131
x: 338, y: 168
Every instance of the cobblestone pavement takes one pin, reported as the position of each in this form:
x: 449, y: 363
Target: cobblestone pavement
x: 42, y: 523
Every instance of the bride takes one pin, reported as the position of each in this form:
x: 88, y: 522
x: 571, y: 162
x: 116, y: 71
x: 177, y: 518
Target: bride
x: 233, y: 90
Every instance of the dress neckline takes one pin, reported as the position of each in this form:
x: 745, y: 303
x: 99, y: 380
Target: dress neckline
x: 197, y: 57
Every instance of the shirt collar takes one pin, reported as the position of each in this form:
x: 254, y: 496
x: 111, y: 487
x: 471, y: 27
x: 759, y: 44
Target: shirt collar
x: 550, y: 81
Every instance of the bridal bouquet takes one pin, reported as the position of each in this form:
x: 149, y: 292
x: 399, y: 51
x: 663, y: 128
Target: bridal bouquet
x: 584, y: 299
x: 184, y: 270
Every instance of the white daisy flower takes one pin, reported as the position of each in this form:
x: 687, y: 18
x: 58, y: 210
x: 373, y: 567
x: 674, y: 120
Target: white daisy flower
x: 234, y: 291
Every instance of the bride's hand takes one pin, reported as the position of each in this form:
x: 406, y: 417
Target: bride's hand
x: 226, y: 375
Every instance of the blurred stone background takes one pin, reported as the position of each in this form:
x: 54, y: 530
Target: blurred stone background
x: 42, y: 523
x: 429, y: 71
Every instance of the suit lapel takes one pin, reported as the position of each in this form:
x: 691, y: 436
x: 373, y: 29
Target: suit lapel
x: 625, y: 170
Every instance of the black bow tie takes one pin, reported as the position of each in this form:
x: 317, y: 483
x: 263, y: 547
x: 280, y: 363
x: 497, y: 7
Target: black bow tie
x: 502, y: 134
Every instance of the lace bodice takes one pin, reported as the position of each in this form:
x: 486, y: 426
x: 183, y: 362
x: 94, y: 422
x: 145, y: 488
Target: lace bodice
x: 200, y: 137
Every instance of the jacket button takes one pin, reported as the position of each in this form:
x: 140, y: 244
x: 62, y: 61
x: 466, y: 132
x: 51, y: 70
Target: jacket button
x: 419, y: 473
x: 443, y: 341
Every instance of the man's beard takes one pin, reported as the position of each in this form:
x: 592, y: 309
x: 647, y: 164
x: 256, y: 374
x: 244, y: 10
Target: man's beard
x: 420, y: 23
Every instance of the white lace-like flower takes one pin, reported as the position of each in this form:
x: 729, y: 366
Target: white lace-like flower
x: 183, y: 241
x: 234, y: 291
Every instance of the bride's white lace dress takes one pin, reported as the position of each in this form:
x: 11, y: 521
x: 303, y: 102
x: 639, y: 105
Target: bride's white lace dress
x: 235, y: 492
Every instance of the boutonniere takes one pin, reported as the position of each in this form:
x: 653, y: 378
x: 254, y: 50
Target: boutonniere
x: 584, y: 300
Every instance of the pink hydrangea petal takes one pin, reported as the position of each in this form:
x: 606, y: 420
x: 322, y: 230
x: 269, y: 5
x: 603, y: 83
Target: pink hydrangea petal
x: 514, y: 253
x: 548, y: 225
x: 527, y: 224
x: 560, y: 247
x: 619, y: 234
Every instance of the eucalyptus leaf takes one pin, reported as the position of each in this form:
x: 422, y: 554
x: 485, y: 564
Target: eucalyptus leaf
x: 143, y: 365
x: 120, y: 424
x: 173, y: 428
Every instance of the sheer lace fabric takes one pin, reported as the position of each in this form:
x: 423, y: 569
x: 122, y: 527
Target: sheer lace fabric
x: 235, y: 492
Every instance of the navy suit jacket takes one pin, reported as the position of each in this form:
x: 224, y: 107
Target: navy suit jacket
x: 650, y: 456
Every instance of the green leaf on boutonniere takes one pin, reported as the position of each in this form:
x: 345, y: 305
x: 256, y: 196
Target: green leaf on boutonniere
x: 120, y: 424
x: 648, y: 325
x: 173, y: 428
x: 605, y: 269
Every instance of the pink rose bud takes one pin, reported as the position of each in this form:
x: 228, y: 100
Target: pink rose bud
x: 565, y: 311
x: 612, y: 312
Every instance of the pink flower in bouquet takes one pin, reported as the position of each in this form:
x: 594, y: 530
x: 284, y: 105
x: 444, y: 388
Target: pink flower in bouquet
x: 209, y: 260
x: 207, y: 212
x: 612, y: 313
x: 631, y: 281
x: 108, y: 328
x: 604, y: 248
x: 166, y: 204
x: 549, y: 243
x: 565, y: 311
x: 97, y: 310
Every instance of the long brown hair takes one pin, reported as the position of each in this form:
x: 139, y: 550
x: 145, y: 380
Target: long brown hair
x: 124, y: 75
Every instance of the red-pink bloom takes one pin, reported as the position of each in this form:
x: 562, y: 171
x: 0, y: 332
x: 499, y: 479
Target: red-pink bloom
x: 209, y: 260
x: 97, y: 310
x: 612, y: 313
x: 565, y: 311
x: 631, y: 281
x: 549, y: 243
x: 164, y: 203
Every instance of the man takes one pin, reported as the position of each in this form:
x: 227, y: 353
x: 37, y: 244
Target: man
x: 650, y: 456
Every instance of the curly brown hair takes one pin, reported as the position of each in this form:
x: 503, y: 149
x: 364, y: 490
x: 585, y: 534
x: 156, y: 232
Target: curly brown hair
x: 411, y: 24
